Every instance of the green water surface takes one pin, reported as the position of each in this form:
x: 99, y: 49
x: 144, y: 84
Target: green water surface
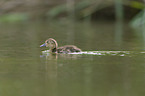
x: 26, y: 71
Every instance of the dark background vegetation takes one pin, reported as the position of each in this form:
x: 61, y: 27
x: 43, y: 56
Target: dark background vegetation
x: 18, y: 10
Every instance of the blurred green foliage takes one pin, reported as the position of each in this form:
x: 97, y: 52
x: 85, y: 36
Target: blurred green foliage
x: 14, y: 17
x: 81, y: 9
x: 138, y: 20
x: 61, y: 9
x: 56, y: 10
x: 137, y: 5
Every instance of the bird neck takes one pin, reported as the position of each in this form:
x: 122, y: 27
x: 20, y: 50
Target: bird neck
x: 53, y: 48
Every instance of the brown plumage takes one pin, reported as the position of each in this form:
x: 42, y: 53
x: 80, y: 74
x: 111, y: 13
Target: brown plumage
x: 53, y: 47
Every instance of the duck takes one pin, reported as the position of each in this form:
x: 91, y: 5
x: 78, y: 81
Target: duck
x: 53, y: 47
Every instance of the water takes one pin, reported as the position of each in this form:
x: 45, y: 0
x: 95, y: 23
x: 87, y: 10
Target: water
x: 26, y: 71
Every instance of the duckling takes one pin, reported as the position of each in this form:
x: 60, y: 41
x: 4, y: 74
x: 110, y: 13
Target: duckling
x: 53, y: 47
